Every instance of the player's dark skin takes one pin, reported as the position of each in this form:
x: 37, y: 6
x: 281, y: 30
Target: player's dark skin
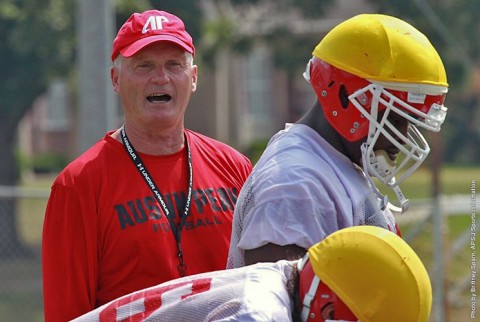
x: 315, y: 119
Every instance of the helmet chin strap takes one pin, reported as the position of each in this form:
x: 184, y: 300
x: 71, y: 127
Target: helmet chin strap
x: 307, y: 300
x: 379, y: 164
x: 401, y: 198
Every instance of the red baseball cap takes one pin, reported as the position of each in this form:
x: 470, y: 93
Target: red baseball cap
x: 142, y: 29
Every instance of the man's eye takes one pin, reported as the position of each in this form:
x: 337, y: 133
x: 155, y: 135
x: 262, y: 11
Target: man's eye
x: 174, y: 64
x: 143, y: 65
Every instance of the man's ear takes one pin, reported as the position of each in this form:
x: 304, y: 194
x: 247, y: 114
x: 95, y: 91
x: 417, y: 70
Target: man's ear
x: 114, y: 78
x: 343, y: 96
x: 328, y: 311
x: 194, y: 77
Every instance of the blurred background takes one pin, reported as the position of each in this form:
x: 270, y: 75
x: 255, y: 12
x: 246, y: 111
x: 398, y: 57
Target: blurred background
x: 56, y: 100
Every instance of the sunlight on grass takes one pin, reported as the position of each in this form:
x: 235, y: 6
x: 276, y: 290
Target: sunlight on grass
x: 454, y: 180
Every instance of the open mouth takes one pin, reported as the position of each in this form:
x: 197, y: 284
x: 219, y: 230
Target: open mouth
x: 159, y: 98
x: 392, y: 153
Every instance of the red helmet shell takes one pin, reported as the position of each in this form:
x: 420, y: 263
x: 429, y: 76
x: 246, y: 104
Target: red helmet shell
x: 333, y: 86
x: 325, y: 304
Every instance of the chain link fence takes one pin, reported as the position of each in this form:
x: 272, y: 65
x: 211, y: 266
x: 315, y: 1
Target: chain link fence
x: 21, y: 220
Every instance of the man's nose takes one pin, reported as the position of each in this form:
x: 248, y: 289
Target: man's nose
x: 160, y: 75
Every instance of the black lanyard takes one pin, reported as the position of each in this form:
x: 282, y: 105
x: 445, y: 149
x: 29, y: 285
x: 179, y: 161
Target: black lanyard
x: 141, y: 167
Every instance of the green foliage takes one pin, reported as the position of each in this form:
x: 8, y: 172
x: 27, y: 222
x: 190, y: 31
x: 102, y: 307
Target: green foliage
x: 219, y: 33
x: 291, y: 52
x: 22, y: 160
x: 41, y: 163
x: 453, y: 180
x: 448, y: 25
x: 45, y: 162
x: 255, y: 150
x: 38, y: 44
x: 187, y: 10
x: 453, y: 28
x: 309, y: 8
x: 48, y: 163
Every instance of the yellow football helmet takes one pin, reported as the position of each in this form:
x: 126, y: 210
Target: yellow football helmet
x: 370, y: 67
x: 375, y: 273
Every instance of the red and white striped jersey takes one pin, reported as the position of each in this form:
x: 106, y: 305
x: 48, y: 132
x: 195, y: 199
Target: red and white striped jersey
x: 253, y: 293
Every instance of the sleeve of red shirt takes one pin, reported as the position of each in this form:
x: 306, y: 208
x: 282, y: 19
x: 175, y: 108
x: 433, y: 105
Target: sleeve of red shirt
x: 69, y: 252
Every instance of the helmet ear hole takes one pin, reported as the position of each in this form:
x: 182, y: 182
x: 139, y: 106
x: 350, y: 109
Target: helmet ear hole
x: 328, y: 311
x: 343, y: 96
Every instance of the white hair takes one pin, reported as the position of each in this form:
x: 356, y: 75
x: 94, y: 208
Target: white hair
x: 117, y: 63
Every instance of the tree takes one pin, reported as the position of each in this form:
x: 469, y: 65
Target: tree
x: 284, y: 26
x: 37, y: 46
x: 452, y: 27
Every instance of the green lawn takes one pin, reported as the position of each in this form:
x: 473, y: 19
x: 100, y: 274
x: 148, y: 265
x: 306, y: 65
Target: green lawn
x: 454, y: 180
x: 31, y: 212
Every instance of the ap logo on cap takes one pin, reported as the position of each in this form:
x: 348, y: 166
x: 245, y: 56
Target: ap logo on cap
x: 155, y: 23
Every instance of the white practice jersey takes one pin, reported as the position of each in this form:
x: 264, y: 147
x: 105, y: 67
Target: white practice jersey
x: 300, y: 191
x: 253, y: 293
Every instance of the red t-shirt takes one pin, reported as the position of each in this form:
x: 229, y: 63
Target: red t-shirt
x: 105, y: 235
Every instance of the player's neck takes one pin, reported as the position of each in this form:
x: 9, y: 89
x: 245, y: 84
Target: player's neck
x: 315, y: 118
x: 153, y: 142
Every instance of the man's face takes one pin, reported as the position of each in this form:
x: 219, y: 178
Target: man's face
x: 155, y: 85
x: 383, y: 143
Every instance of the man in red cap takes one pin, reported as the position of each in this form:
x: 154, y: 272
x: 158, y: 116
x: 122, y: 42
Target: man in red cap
x: 149, y: 202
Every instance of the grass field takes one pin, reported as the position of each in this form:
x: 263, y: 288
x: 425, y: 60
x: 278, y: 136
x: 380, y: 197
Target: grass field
x: 20, y: 292
x: 453, y: 180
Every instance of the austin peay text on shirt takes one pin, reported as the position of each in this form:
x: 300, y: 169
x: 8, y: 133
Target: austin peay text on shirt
x: 212, y: 203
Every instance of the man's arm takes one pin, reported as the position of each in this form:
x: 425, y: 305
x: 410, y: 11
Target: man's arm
x: 272, y: 253
x: 69, y: 256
